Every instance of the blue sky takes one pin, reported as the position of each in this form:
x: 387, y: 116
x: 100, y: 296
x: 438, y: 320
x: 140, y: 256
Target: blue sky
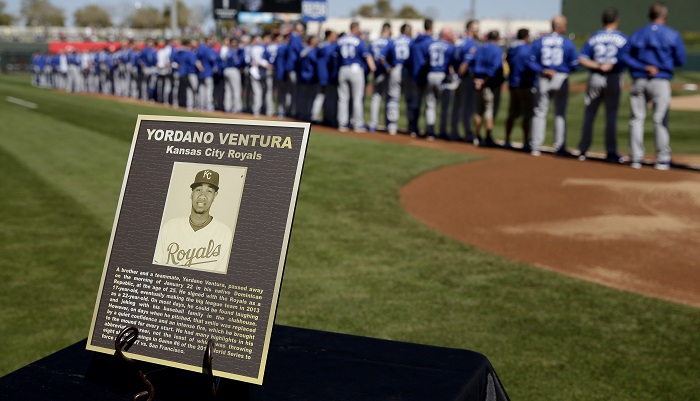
x: 442, y: 9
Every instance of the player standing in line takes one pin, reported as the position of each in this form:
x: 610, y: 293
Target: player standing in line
x: 233, y: 62
x: 655, y: 50
x: 280, y: 76
x: 330, y: 103
x: 272, y: 42
x: 521, y: 85
x: 296, y: 45
x: 553, y: 57
x: 165, y: 73
x: 380, y: 83
x: 205, y: 240
x: 308, y: 78
x: 148, y: 60
x: 396, y: 54
x: 207, y: 65
x: 439, y: 58
x: 488, y: 78
x: 323, y: 54
x: 190, y: 67
x: 603, y: 54
x: 259, y: 67
x: 419, y: 74
x: 351, y: 78
x: 463, y: 103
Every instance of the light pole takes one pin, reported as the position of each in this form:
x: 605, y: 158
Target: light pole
x: 173, y: 18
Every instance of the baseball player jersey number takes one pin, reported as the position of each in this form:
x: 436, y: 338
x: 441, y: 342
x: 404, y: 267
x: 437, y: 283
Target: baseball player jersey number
x: 347, y: 51
x: 402, y: 51
x: 605, y: 54
x: 552, y: 56
x: 437, y: 58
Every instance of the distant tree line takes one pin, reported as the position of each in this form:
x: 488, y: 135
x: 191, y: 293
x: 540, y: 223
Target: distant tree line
x: 44, y: 13
x: 383, y: 9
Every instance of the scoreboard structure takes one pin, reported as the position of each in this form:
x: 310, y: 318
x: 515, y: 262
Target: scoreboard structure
x: 229, y: 9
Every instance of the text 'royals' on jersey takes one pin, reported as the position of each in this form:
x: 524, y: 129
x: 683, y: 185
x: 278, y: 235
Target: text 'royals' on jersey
x: 607, y: 47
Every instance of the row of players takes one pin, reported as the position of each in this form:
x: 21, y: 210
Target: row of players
x: 325, y: 81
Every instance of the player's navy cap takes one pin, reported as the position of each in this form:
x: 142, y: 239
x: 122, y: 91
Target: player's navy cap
x: 210, y: 177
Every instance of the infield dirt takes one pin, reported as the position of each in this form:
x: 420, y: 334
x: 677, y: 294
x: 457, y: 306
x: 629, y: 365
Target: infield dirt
x: 635, y: 230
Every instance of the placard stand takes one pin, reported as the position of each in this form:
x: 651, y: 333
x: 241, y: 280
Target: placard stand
x: 128, y: 336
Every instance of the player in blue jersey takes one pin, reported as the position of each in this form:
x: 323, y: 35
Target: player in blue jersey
x: 294, y: 48
x: 351, y: 77
x: 148, y: 59
x: 189, y: 66
x: 488, y: 77
x: 380, y: 82
x: 463, y: 98
x: 283, y: 98
x: 418, y: 64
x: 603, y: 54
x: 323, y: 59
x: 396, y: 54
x: 272, y: 42
x: 521, y: 85
x: 553, y: 57
x: 233, y: 63
x: 207, y: 66
x: 655, y: 50
x: 439, y: 65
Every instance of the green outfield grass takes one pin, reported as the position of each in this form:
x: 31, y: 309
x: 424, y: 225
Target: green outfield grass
x: 357, y: 263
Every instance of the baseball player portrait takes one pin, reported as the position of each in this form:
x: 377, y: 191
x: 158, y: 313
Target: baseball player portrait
x: 200, y: 240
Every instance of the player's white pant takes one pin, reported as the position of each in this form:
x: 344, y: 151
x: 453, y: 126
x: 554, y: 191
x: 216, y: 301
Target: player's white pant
x: 432, y: 98
x: 351, y: 80
x: 192, y: 90
x: 269, y: 93
x: 379, y: 93
x: 557, y: 91
x: 232, y: 90
x: 177, y: 80
x: 658, y: 92
x: 256, y: 85
x: 317, y: 105
x: 607, y: 88
x: 73, y: 83
x: 291, y: 94
x: 393, y: 103
x: 206, y: 93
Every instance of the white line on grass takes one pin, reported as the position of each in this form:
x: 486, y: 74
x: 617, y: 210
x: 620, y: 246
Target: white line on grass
x: 21, y: 102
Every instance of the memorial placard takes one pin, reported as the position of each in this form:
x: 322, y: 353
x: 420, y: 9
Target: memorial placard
x: 199, y: 242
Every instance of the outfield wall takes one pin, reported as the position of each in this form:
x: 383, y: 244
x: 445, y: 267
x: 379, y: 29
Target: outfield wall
x: 18, y: 56
x: 585, y: 16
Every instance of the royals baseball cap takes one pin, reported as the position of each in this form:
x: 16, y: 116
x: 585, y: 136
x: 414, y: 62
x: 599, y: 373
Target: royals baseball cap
x: 210, y: 177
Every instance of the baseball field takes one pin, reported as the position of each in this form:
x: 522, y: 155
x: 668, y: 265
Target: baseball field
x: 578, y: 280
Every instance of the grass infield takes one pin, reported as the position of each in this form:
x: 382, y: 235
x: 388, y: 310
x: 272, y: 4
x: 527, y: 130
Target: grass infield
x: 357, y: 263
